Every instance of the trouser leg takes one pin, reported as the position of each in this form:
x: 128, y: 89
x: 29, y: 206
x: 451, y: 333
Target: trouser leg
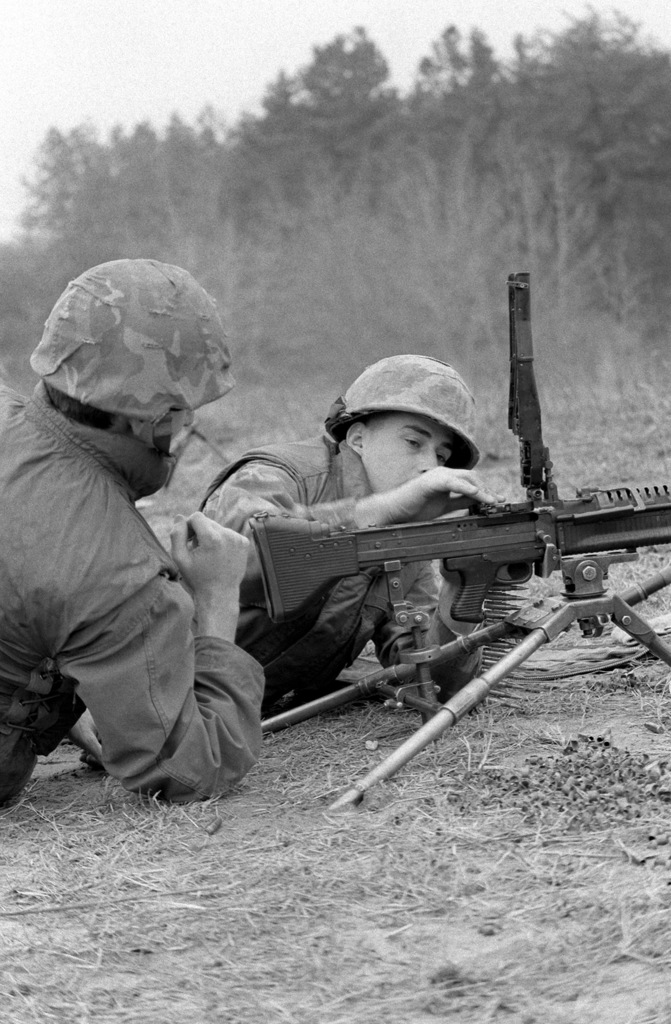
x: 17, y: 761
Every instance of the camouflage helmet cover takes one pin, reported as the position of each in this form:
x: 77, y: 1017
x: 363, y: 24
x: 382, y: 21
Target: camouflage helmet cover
x: 136, y: 337
x: 417, y: 384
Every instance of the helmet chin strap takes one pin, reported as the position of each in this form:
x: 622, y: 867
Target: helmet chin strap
x: 162, y: 432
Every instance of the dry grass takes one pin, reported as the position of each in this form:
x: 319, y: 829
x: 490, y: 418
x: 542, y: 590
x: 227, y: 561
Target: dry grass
x: 439, y: 900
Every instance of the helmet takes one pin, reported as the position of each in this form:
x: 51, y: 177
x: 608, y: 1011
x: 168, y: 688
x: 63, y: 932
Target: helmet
x: 410, y: 383
x: 136, y: 337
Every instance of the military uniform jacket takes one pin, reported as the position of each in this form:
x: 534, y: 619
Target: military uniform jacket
x: 315, y: 479
x: 85, y: 584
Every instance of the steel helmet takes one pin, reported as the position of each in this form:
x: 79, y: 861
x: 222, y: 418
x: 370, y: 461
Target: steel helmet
x: 411, y: 383
x: 135, y: 337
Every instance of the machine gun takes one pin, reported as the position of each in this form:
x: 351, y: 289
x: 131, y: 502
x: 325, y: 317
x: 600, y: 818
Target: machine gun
x: 490, y: 546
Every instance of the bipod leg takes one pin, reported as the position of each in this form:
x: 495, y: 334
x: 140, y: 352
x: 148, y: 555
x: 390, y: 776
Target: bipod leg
x: 641, y: 591
x: 637, y: 627
x: 362, y: 688
x: 446, y: 717
x: 381, y: 681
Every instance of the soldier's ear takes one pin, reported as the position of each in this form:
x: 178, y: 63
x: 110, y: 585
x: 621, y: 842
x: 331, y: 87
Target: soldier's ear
x: 355, y: 436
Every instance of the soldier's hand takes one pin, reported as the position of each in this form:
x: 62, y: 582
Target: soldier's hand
x: 212, y: 560
x: 427, y: 496
x: 85, y: 735
x: 435, y: 489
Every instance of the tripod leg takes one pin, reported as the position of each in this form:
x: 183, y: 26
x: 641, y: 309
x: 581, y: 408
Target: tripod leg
x: 445, y: 718
x: 636, y: 626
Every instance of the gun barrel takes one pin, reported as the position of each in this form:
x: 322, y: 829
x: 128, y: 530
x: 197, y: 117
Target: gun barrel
x: 629, y: 530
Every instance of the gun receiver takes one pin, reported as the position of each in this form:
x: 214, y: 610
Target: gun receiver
x: 301, y: 559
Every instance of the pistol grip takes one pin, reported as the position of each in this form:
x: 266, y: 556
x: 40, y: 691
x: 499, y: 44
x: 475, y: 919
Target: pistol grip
x: 476, y: 580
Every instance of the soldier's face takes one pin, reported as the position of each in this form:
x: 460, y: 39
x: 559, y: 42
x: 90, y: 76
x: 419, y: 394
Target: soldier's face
x: 397, y: 446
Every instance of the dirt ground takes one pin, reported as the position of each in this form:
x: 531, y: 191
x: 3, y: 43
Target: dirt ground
x: 445, y: 896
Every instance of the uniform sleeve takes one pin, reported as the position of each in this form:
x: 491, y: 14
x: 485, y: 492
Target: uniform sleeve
x: 432, y: 594
x: 176, y: 715
x: 263, y: 487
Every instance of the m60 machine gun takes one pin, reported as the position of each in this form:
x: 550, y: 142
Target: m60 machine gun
x: 490, y: 546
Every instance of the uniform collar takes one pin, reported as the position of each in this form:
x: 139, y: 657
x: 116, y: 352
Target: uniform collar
x: 141, y: 470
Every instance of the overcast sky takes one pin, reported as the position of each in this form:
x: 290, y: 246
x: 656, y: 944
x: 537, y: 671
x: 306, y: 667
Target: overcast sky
x: 63, y: 62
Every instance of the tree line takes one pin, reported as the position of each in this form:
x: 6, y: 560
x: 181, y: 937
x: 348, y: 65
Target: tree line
x: 345, y: 221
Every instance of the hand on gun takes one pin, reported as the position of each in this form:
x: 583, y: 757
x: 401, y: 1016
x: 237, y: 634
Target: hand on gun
x: 212, y: 560
x: 437, y: 492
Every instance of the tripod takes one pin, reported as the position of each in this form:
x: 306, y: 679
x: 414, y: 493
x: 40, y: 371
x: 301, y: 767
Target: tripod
x: 584, y: 599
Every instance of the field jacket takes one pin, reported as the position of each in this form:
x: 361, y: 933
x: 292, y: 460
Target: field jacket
x: 92, y: 609
x: 317, y: 480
